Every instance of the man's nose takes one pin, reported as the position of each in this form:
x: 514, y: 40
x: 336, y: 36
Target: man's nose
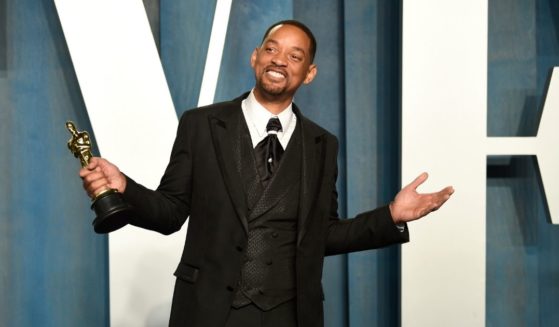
x: 279, y: 59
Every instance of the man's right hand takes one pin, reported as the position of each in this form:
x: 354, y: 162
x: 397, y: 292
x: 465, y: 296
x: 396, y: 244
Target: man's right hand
x: 99, y: 175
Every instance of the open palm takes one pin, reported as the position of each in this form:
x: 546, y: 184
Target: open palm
x: 410, y: 205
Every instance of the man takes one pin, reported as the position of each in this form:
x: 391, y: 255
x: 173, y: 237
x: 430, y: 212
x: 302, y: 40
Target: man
x: 257, y: 180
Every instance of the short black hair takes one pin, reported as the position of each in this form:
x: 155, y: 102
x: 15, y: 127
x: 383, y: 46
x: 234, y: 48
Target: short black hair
x: 299, y: 25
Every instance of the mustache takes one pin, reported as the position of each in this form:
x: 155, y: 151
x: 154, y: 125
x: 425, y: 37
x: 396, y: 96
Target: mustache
x: 276, y: 68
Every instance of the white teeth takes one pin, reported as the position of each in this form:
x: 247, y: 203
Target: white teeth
x: 275, y: 74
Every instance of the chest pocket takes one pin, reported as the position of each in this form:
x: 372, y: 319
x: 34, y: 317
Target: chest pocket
x: 187, y: 273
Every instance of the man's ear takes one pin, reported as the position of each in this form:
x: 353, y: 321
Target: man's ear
x: 253, y: 57
x: 311, y: 73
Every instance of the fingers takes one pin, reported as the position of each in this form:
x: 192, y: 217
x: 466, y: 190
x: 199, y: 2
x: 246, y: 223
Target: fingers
x: 433, y: 201
x: 94, y: 179
x: 94, y: 163
x: 444, y: 193
x: 448, y: 190
x: 94, y: 182
x: 441, y: 197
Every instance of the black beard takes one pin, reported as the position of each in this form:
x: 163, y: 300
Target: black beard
x: 270, y: 90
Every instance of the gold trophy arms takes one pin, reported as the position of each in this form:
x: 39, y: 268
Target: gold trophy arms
x: 79, y: 144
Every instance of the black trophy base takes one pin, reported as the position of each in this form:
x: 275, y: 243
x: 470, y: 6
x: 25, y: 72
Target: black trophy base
x: 112, y: 212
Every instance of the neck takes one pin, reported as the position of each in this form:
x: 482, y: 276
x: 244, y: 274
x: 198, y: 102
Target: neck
x: 275, y: 105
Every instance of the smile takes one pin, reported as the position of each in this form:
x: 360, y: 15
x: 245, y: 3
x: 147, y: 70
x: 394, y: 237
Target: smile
x: 275, y: 74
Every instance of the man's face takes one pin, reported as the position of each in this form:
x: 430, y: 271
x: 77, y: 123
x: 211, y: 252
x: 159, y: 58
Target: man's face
x: 282, y: 63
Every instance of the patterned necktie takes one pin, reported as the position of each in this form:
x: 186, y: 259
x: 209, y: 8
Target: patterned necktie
x: 269, y: 150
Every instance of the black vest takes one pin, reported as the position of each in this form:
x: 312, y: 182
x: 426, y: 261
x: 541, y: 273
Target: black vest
x: 268, y: 270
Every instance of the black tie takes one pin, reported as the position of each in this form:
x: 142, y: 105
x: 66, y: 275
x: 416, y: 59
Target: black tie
x: 269, y: 150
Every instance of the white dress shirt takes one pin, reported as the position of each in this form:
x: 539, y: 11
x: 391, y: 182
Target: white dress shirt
x: 257, y: 117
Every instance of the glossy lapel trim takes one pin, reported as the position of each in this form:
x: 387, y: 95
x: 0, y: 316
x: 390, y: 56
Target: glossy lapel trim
x: 313, y: 149
x: 226, y: 135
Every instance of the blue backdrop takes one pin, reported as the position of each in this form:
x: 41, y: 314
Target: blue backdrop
x: 522, y: 262
x: 53, y: 269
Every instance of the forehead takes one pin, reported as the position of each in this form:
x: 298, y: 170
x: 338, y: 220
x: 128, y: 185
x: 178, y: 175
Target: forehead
x: 290, y: 35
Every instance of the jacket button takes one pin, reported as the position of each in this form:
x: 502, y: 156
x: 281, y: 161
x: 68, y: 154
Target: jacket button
x: 275, y: 234
x: 230, y: 288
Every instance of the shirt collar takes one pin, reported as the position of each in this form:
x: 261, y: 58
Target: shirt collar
x: 260, y: 115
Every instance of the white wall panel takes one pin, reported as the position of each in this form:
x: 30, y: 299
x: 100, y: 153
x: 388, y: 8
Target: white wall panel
x: 134, y: 122
x: 444, y: 87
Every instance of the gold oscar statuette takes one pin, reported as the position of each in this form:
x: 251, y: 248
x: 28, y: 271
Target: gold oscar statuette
x: 110, y: 207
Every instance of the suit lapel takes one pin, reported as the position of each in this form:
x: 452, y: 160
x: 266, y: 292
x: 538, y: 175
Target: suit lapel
x: 226, y: 129
x: 311, y: 171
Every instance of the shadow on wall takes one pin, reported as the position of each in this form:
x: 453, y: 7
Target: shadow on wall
x: 554, y: 12
x: 3, y: 39
x: 531, y: 115
x: 521, y: 175
x: 65, y: 64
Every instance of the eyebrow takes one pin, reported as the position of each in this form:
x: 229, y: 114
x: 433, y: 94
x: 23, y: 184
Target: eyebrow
x: 276, y: 42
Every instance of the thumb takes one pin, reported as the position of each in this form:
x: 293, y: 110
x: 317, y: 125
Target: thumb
x: 418, y: 181
x: 93, y: 163
x: 98, y: 162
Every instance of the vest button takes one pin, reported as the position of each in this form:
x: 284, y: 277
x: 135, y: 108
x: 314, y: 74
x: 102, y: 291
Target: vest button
x: 269, y: 262
x: 230, y: 288
x: 239, y: 248
x: 275, y: 234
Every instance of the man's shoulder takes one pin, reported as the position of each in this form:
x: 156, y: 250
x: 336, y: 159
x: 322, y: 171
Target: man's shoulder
x: 312, y: 127
x: 215, y: 109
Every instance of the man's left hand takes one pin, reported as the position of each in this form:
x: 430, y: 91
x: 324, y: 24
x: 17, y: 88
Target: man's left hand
x: 410, y: 205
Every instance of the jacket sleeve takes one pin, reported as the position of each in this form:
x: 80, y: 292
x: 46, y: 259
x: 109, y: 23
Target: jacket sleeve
x: 166, y: 209
x: 368, y: 230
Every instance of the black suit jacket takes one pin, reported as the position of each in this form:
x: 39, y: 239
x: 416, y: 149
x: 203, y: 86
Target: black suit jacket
x: 203, y: 181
